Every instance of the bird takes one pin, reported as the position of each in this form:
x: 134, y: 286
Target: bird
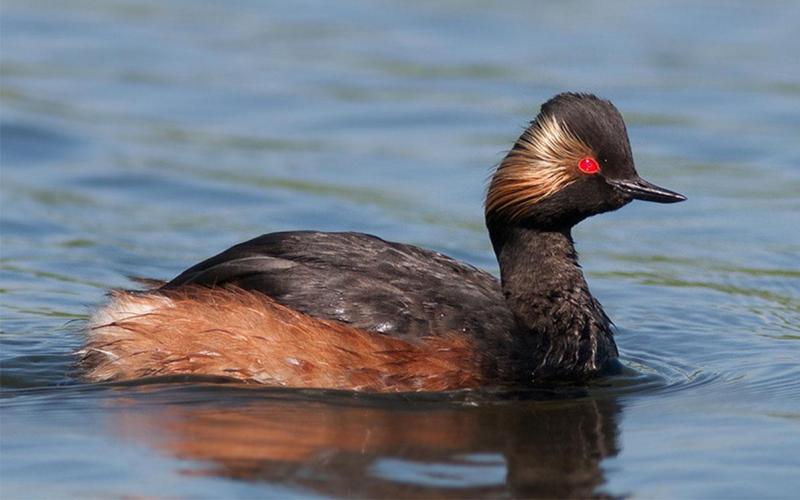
x: 351, y: 311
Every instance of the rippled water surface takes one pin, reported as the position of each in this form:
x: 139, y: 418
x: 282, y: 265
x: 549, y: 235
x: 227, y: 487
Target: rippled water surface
x: 140, y: 137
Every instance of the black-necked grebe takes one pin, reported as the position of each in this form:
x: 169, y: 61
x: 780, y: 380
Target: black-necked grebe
x: 352, y: 311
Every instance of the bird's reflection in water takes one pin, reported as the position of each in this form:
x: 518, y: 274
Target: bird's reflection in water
x: 384, y: 447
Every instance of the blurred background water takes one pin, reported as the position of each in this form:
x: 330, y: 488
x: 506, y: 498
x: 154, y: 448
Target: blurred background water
x: 139, y: 137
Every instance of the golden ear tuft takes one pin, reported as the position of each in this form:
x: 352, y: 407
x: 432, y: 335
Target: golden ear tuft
x: 543, y: 161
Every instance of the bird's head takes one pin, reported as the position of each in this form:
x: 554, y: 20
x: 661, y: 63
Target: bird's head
x: 572, y: 162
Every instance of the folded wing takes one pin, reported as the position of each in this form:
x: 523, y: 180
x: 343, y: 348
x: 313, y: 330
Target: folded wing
x: 391, y: 288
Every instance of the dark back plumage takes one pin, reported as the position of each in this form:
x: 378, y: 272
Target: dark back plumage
x: 361, y: 280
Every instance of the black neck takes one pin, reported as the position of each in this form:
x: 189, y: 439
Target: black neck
x: 561, y: 328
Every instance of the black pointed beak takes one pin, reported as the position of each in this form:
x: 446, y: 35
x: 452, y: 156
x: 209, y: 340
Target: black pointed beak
x: 640, y: 189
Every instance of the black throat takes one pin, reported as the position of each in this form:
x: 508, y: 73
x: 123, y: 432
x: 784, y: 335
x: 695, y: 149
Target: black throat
x: 561, y: 330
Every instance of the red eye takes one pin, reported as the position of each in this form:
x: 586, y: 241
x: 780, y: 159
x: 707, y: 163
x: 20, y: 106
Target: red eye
x: 589, y: 165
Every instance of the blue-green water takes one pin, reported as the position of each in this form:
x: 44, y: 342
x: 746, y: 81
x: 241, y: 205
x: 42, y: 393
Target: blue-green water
x: 140, y: 137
